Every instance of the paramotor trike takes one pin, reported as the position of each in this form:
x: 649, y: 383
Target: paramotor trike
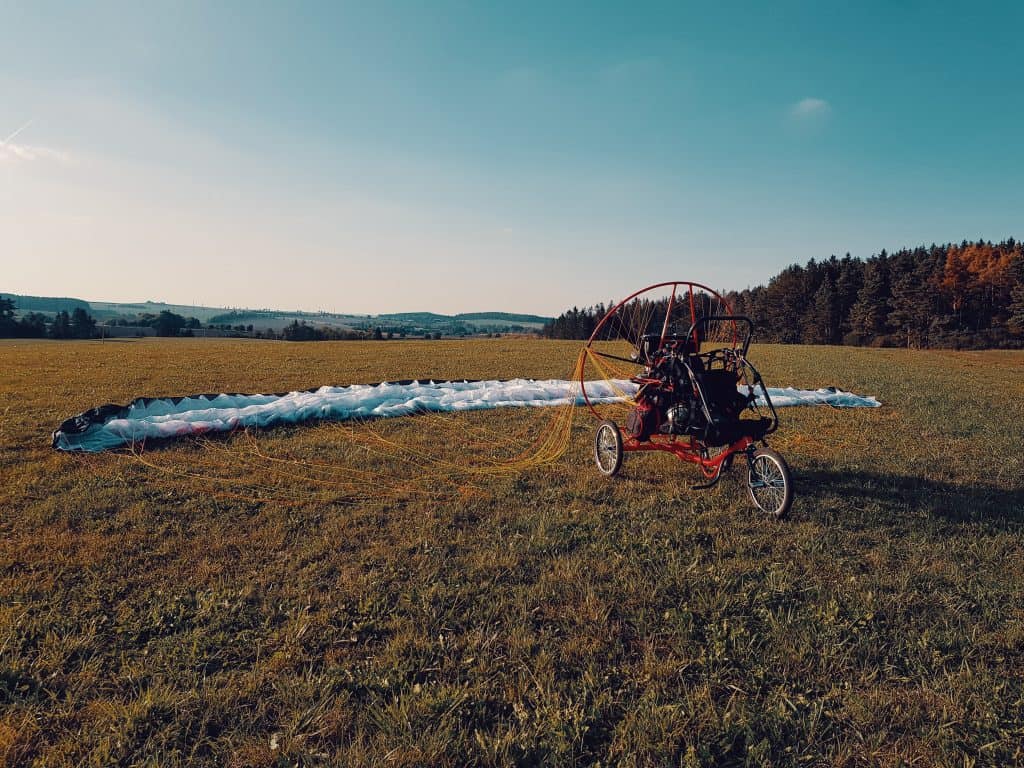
x: 680, y: 355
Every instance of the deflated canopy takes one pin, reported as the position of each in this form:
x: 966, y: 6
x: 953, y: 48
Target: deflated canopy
x: 112, y: 426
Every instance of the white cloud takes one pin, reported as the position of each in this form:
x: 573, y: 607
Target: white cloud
x: 11, y: 152
x: 809, y: 107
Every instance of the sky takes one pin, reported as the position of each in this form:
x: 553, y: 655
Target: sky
x: 473, y: 156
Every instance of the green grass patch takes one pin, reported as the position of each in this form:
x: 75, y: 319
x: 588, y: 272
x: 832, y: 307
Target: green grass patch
x: 550, y: 617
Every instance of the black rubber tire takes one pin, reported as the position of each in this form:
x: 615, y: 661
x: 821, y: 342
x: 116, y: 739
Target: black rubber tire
x: 775, y: 469
x: 608, y: 448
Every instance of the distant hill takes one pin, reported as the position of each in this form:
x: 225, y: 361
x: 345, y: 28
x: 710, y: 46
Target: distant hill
x: 396, y: 322
x: 46, y: 303
x: 473, y: 318
x: 506, y: 317
x: 414, y: 317
x: 104, y: 309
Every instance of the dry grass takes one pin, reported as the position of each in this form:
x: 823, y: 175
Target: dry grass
x: 547, y: 617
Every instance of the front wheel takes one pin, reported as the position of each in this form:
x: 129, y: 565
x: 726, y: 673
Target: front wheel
x: 769, y: 483
x: 608, y: 448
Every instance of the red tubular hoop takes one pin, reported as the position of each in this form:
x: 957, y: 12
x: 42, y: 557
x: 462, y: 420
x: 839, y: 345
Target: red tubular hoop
x: 593, y: 336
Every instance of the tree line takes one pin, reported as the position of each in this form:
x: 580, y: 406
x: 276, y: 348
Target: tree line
x: 35, y: 325
x: 301, y: 331
x: 79, y: 324
x: 966, y: 296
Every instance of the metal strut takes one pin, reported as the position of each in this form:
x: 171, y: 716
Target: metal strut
x: 712, y: 484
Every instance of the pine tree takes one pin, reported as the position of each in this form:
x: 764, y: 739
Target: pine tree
x: 787, y: 302
x: 1015, y: 309
x: 61, y: 326
x: 1016, y: 320
x: 820, y: 323
x: 32, y: 326
x: 912, y: 289
x: 848, y: 284
x: 82, y: 324
x: 868, y: 315
x: 8, y: 325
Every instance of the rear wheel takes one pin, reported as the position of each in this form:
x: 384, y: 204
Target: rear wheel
x: 769, y: 483
x: 608, y: 448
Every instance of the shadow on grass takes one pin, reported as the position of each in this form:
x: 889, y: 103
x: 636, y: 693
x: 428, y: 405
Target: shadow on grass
x: 994, y: 508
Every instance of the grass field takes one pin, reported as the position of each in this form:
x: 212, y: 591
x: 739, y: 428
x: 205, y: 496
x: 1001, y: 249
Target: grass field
x: 548, y: 617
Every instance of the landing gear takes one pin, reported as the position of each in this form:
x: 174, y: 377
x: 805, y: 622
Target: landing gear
x: 608, y: 448
x: 769, y: 482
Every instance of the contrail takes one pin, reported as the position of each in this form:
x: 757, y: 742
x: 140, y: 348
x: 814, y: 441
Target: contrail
x: 26, y: 125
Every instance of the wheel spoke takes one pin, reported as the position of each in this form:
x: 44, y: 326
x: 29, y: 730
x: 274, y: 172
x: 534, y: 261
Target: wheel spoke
x: 767, y: 484
x: 607, y: 449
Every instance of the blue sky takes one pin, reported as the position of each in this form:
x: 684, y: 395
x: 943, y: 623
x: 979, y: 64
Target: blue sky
x: 518, y: 156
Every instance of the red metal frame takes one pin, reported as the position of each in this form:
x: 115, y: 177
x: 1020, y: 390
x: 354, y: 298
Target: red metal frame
x: 611, y: 312
x: 687, y: 449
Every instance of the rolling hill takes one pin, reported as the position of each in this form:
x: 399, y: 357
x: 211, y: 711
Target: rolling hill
x: 398, y: 322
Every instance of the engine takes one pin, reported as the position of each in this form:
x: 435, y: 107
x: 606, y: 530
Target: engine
x: 666, y: 403
x: 678, y: 419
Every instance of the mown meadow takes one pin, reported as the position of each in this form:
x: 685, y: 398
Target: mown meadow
x: 237, y: 602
